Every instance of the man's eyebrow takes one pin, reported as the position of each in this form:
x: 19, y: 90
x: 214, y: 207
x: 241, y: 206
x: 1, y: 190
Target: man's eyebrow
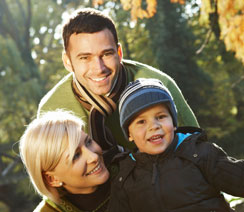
x: 89, y: 54
x: 108, y: 50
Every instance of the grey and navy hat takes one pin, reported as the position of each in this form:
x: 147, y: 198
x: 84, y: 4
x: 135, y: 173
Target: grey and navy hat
x: 141, y: 94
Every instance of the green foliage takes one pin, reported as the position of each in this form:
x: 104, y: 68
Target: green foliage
x: 223, y: 114
x: 171, y: 39
x: 4, y: 207
x: 30, y: 64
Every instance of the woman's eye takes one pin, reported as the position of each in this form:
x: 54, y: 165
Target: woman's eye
x: 88, y: 141
x: 76, y: 156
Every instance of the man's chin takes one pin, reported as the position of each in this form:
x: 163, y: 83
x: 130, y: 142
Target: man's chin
x: 100, y: 91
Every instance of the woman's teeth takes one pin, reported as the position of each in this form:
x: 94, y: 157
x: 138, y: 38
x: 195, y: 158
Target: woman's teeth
x: 94, y: 170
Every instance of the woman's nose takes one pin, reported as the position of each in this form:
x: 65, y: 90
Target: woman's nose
x: 90, y: 155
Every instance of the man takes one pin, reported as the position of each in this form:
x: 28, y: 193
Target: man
x: 98, y: 75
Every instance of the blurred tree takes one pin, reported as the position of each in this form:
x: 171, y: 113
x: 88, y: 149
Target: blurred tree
x: 225, y: 17
x: 171, y: 39
x: 29, y: 65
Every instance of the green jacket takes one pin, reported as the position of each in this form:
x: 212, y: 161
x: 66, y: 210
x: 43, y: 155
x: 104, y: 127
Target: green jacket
x: 62, y: 96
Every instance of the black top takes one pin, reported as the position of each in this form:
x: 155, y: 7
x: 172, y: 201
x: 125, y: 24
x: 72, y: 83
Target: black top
x: 96, y: 201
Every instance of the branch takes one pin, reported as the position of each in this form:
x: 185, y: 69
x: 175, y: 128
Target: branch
x: 11, y: 27
x: 208, y: 36
x: 9, y: 167
x: 237, y: 82
x: 7, y: 155
x: 21, y: 9
x: 28, y: 24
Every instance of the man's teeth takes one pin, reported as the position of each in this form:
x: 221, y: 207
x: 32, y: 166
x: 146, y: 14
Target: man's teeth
x: 99, y: 79
x: 94, y: 170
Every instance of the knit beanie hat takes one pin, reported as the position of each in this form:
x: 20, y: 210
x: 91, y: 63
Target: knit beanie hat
x: 141, y: 94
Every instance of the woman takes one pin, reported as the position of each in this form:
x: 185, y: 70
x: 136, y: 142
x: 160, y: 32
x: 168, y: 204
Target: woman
x: 64, y: 164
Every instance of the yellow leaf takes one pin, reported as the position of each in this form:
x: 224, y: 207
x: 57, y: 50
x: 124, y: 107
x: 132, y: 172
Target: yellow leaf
x: 97, y: 2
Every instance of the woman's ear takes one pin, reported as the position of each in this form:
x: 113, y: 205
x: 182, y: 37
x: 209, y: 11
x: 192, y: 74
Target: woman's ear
x: 52, y: 180
x: 67, y: 62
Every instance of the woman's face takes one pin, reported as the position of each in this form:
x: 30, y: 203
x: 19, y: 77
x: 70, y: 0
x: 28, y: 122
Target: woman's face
x: 86, y: 172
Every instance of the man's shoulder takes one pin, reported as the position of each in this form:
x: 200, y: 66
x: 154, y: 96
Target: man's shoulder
x: 61, y: 96
x: 61, y: 88
x: 140, y: 70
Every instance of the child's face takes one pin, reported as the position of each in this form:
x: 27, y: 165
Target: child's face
x: 152, y: 130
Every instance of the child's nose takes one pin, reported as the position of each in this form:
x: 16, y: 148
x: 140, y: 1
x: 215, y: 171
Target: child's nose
x: 154, y: 124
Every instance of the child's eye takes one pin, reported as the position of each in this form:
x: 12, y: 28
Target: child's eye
x: 140, y: 121
x: 161, y: 117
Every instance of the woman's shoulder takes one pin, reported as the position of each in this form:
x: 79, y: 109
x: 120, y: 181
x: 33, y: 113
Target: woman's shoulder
x: 44, y: 206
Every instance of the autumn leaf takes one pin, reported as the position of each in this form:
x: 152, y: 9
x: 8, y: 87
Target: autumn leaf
x: 97, y: 2
x: 230, y: 18
x: 231, y: 22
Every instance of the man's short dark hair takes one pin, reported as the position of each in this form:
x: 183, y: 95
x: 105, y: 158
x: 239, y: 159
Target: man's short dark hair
x: 88, y: 20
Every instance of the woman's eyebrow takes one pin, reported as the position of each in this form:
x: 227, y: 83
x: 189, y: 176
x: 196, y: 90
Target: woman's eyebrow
x: 87, y: 139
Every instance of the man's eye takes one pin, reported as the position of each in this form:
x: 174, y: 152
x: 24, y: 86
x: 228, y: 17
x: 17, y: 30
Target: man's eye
x: 106, y: 54
x: 84, y: 58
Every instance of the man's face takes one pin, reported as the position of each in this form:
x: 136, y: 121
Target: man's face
x: 152, y: 130
x: 95, y: 60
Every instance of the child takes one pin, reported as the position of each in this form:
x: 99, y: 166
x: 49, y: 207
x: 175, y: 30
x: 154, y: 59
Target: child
x: 174, y: 169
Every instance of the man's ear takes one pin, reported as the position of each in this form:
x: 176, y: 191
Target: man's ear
x: 51, y: 179
x: 67, y: 62
x: 120, y: 52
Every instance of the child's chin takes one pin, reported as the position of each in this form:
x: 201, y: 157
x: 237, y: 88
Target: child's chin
x: 155, y: 151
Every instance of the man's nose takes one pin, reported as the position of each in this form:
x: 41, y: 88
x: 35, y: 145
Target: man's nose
x: 98, y: 65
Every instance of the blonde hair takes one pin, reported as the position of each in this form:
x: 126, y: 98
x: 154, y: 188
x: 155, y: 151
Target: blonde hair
x: 43, y: 143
